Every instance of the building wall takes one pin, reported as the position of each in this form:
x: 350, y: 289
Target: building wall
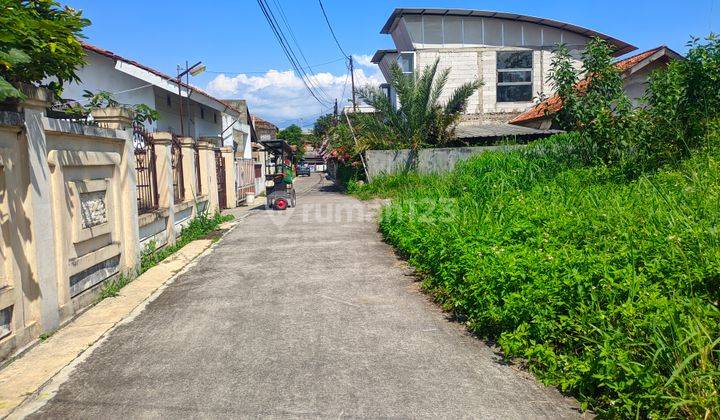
x: 266, y: 133
x: 467, y: 64
x: 69, y: 217
x: 636, y: 83
x: 195, y: 125
x: 436, y: 160
x: 99, y: 74
x: 436, y: 31
x: 468, y: 46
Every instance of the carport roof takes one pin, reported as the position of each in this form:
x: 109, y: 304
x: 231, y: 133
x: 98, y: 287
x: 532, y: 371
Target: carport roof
x: 498, y: 130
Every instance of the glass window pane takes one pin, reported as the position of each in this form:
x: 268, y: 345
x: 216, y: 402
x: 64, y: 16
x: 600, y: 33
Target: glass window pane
x: 574, y: 41
x: 551, y: 36
x: 514, y: 60
x: 514, y: 93
x: 493, y: 32
x: 405, y: 61
x: 453, y: 30
x: 413, y: 23
x: 514, y: 76
x: 433, y: 29
x: 473, y: 30
x: 512, y: 34
x: 531, y: 34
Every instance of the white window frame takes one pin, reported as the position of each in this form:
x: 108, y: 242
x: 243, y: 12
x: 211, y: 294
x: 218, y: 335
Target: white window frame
x: 414, y: 61
x: 498, y: 71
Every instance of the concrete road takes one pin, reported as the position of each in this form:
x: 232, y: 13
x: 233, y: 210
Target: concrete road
x: 302, y: 313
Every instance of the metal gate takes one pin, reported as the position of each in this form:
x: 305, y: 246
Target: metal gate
x: 245, y: 175
x: 145, y: 174
x: 177, y: 170
x: 222, y: 185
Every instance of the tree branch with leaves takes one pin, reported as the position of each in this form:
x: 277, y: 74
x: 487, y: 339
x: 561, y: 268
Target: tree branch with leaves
x: 39, y: 40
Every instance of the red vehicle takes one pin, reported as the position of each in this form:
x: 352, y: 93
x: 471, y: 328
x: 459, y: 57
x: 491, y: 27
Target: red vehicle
x: 279, y: 171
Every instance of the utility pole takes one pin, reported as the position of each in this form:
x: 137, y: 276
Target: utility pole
x: 335, y: 113
x: 352, y: 80
x: 194, y: 70
x: 180, y: 99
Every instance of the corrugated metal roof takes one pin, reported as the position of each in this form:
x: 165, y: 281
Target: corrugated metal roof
x: 498, y: 130
x: 621, y: 47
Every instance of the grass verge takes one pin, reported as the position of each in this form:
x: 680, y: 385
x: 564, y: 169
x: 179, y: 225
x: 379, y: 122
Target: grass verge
x: 607, y: 288
x: 198, y: 228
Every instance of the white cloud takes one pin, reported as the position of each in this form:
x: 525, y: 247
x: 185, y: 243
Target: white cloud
x: 364, y: 60
x: 281, y: 96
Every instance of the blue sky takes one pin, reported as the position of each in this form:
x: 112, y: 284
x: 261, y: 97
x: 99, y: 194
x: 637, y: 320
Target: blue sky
x: 244, y: 60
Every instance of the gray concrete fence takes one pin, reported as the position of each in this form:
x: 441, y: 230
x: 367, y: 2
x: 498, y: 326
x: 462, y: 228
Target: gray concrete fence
x: 429, y: 160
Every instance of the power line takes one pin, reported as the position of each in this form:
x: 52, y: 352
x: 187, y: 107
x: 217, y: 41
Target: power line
x: 265, y: 71
x: 350, y: 59
x: 297, y: 44
x: 312, y: 82
x: 287, y: 50
x: 277, y: 31
x: 331, y: 30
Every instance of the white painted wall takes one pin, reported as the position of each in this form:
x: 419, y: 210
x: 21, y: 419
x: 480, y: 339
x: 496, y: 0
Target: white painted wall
x: 100, y: 75
x: 636, y: 83
x: 122, y: 79
x: 468, y: 64
x: 236, y: 133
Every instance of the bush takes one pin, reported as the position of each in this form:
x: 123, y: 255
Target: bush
x: 607, y: 289
x: 680, y: 112
x: 593, y: 256
x: 196, y: 229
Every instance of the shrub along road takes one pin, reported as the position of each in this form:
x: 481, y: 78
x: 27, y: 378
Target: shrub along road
x: 299, y: 313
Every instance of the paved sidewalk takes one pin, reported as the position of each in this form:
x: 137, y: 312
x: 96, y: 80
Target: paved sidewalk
x: 302, y: 313
x: 23, y: 377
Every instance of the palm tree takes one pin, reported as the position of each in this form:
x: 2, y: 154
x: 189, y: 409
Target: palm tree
x: 420, y: 120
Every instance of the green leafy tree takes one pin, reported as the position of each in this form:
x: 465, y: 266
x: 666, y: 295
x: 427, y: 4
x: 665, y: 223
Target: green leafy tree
x: 294, y: 136
x: 682, y: 105
x: 38, y: 40
x: 597, y: 107
x: 421, y: 119
x: 323, y: 124
x: 564, y: 78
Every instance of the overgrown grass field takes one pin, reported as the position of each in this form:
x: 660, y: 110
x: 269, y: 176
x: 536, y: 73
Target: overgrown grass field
x: 605, y: 287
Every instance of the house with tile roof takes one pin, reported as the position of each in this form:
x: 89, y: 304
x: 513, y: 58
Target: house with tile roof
x: 510, y: 53
x: 635, y: 71
x: 131, y: 83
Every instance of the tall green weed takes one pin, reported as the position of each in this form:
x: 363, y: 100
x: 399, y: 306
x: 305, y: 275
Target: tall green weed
x: 607, y: 288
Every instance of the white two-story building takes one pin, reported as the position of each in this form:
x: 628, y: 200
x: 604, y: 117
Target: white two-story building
x: 510, y: 53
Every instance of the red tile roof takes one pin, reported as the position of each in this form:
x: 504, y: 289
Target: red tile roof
x: 116, y: 57
x: 262, y: 123
x: 554, y: 104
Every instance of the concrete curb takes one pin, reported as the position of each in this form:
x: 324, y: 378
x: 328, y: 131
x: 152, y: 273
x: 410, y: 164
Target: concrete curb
x: 24, y: 381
